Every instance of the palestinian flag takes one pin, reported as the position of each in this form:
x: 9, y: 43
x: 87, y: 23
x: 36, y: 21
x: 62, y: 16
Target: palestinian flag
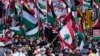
x: 88, y: 4
x: 18, y: 8
x: 32, y: 32
x: 16, y: 30
x: 42, y: 17
x: 50, y: 19
x: 11, y: 6
x: 66, y: 35
x: 51, y: 16
x: 82, y: 39
x: 31, y: 8
x: 28, y: 19
x: 42, y: 5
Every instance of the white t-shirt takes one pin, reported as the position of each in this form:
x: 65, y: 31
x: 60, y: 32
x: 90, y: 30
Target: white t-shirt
x: 19, y: 54
x: 40, y: 55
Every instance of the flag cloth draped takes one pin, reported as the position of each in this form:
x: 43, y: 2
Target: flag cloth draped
x: 32, y: 32
x: 28, y: 19
x: 42, y: 5
x: 16, y: 30
x: 67, y: 35
x: 82, y: 40
x: 89, y: 18
x: 70, y: 20
x: 51, y: 17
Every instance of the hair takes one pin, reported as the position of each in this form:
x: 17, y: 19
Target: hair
x: 94, y: 50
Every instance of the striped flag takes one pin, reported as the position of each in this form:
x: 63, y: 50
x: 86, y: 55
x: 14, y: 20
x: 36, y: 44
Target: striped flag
x: 51, y: 16
x: 31, y: 8
x: 32, y: 32
x: 16, y: 30
x: 18, y: 8
x: 42, y: 16
x: 82, y: 39
x: 66, y: 35
x: 28, y: 19
x: 42, y: 5
x: 86, y: 5
x: 70, y: 20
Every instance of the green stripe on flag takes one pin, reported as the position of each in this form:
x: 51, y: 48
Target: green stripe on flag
x: 29, y: 24
x: 29, y: 20
x: 33, y: 33
x: 18, y: 30
x: 82, y: 36
x: 42, y: 6
x: 42, y: 18
x: 51, y: 20
x: 18, y: 7
x: 88, y: 4
x: 77, y: 19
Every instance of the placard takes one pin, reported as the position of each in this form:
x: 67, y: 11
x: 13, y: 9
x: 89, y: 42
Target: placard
x: 96, y: 32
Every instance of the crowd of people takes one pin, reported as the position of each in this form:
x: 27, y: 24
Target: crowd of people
x: 47, y: 42
x: 20, y: 46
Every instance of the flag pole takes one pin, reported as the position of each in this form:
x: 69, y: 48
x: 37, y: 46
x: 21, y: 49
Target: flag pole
x: 99, y: 19
x: 54, y: 40
x: 38, y: 21
x: 45, y: 16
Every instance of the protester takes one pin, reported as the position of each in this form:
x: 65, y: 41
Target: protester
x: 2, y: 52
x: 49, y: 28
x: 92, y: 52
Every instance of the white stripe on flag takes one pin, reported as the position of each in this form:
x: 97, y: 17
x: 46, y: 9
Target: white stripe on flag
x: 29, y: 17
x: 81, y: 45
x: 17, y: 28
x: 65, y: 31
x: 33, y: 31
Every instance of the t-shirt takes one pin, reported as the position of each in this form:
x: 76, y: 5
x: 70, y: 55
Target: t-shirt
x: 19, y: 54
x: 92, y: 54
